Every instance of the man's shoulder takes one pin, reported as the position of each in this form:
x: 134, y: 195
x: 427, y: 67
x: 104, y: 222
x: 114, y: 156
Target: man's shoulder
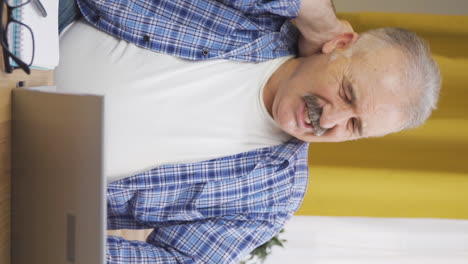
x: 292, y: 151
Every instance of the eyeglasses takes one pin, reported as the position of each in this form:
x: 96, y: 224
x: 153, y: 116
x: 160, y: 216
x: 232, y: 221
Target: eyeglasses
x: 12, y: 34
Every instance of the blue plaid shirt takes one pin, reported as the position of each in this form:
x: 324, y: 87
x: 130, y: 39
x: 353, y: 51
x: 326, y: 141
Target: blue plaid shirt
x: 246, y: 30
x: 215, y: 211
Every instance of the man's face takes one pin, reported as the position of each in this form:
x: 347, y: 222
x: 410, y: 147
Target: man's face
x: 346, y: 97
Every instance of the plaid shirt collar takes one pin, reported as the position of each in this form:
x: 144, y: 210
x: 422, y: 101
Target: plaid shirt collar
x: 249, y: 30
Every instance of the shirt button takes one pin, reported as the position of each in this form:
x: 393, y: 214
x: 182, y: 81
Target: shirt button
x: 146, y: 38
x: 205, y: 52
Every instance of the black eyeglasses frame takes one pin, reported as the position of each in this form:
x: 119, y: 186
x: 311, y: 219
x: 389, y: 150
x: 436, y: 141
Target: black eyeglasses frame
x: 7, y: 54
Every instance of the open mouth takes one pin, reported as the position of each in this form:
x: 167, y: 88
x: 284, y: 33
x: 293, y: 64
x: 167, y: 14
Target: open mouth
x: 312, y: 114
x: 307, y: 117
x: 308, y: 122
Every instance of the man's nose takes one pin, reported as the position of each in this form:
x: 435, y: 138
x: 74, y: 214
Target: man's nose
x: 334, y: 116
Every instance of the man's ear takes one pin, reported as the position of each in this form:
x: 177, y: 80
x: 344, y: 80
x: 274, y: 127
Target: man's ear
x: 342, y: 41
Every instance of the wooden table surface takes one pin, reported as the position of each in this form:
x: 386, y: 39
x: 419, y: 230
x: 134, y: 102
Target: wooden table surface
x: 7, y: 83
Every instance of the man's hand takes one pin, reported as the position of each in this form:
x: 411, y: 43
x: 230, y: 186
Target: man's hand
x: 309, y: 46
x: 318, y: 24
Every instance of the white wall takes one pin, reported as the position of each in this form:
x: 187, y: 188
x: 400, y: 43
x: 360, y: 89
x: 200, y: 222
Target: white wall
x: 367, y: 240
x: 454, y: 7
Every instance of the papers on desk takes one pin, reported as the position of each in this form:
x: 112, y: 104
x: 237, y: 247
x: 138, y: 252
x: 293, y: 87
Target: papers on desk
x: 45, y: 32
x: 46, y: 89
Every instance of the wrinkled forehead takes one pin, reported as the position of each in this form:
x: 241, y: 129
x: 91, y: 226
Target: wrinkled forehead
x: 380, y: 58
x: 383, y: 120
x: 381, y: 72
x: 381, y: 92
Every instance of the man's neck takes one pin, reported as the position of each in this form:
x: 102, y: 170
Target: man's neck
x: 284, y: 72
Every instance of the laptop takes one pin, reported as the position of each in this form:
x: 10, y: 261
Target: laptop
x: 58, y: 202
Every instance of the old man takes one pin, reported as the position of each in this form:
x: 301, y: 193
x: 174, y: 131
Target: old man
x: 209, y: 113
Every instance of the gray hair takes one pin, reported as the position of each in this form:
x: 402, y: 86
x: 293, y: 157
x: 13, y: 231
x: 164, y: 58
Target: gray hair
x: 422, y: 74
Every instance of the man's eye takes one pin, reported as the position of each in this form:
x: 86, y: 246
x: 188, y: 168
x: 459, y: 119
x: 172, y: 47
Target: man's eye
x: 351, y: 125
x: 348, y: 98
x: 354, y: 126
x: 345, y: 95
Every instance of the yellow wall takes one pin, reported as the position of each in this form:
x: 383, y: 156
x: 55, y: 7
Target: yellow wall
x: 417, y: 173
x: 447, y: 7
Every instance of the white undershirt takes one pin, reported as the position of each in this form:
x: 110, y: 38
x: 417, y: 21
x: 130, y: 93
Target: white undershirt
x: 160, y: 109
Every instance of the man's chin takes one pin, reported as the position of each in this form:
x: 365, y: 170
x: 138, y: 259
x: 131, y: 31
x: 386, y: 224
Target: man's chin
x: 308, y: 138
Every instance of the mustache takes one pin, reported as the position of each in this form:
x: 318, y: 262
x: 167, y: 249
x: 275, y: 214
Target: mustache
x: 315, y: 112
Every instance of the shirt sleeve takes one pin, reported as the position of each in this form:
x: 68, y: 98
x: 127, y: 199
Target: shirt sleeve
x: 207, y: 241
x: 283, y: 8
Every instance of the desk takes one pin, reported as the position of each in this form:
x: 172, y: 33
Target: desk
x: 7, y: 83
